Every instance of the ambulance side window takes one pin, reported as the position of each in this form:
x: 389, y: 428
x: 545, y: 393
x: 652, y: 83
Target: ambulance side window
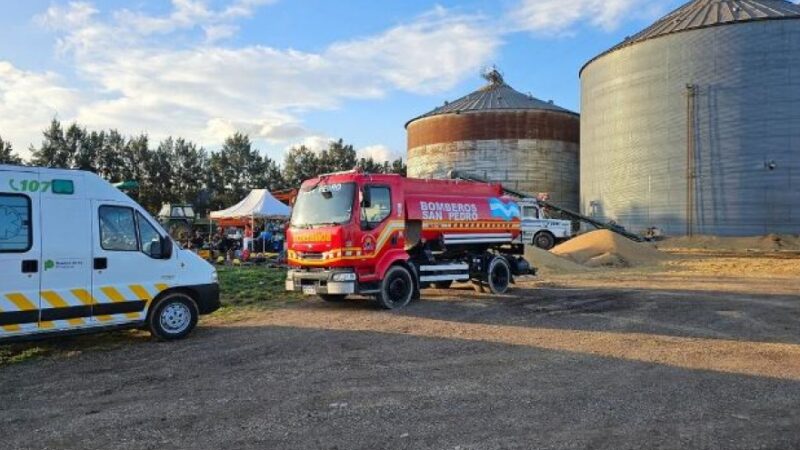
x: 118, y: 229
x: 147, y: 235
x: 15, y: 223
x: 380, y: 206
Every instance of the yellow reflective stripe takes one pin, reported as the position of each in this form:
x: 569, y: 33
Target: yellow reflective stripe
x: 161, y: 287
x: 21, y: 302
x: 114, y: 295
x: 84, y: 296
x: 46, y: 325
x: 54, y: 299
x: 140, y: 292
x: 12, y: 328
x: 87, y: 299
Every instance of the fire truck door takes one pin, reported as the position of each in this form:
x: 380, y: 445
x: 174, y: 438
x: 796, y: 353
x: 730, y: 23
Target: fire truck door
x: 378, y: 230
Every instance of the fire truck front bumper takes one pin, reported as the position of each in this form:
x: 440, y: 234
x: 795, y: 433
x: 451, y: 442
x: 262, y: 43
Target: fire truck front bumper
x: 331, y: 282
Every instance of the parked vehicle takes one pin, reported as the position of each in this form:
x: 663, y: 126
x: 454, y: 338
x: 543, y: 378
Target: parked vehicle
x: 76, y: 255
x: 181, y: 221
x: 540, y: 231
x: 390, y: 236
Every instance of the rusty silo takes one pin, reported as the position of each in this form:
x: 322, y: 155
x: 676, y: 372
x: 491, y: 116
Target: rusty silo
x: 504, y: 135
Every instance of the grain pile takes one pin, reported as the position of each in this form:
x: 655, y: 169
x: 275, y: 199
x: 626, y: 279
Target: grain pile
x: 602, y: 248
x: 769, y: 243
x: 548, y: 263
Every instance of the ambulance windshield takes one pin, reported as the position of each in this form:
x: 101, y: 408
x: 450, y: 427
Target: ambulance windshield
x: 323, y: 205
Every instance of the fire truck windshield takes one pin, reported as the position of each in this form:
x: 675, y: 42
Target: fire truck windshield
x: 323, y: 204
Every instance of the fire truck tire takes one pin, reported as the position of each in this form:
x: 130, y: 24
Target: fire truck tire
x: 443, y: 284
x: 333, y: 298
x: 544, y: 240
x: 173, y: 317
x: 499, y: 275
x: 397, y: 288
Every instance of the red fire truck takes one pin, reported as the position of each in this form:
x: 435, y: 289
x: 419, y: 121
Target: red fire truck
x: 390, y: 236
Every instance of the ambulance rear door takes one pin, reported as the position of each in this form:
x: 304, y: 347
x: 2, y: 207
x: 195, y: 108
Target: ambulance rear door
x: 20, y: 251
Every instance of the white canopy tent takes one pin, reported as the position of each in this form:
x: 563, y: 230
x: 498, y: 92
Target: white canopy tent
x: 259, y: 204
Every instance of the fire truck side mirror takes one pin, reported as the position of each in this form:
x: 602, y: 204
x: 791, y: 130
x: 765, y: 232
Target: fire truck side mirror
x: 366, y: 198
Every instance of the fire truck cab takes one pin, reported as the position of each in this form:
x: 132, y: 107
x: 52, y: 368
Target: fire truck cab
x: 389, y: 236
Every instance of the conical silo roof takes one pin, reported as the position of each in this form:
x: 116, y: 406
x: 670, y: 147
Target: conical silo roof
x: 495, y: 96
x: 708, y: 13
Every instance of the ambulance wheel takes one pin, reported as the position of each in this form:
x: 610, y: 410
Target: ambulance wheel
x: 499, y: 275
x: 443, y: 284
x: 174, y: 317
x: 397, y: 288
x: 333, y: 298
x: 544, y: 240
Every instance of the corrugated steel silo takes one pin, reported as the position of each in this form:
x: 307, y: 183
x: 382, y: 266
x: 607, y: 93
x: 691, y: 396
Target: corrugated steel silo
x: 500, y: 134
x: 693, y: 125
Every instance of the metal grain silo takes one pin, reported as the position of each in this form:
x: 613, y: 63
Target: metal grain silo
x: 500, y: 134
x: 693, y: 125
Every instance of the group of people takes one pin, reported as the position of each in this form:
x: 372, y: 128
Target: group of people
x: 237, y: 243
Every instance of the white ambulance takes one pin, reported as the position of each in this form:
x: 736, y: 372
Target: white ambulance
x: 76, y: 254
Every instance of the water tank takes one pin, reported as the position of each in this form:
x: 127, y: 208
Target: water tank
x: 693, y: 125
x: 501, y: 134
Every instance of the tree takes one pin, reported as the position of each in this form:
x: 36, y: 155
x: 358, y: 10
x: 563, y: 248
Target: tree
x: 337, y: 157
x: 156, y: 187
x: 109, y: 157
x: 237, y: 168
x: 369, y: 165
x: 300, y: 164
x: 399, y: 167
x: 188, y: 163
x: 53, y: 149
x: 7, y: 155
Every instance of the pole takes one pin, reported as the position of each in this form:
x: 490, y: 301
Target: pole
x: 691, y: 93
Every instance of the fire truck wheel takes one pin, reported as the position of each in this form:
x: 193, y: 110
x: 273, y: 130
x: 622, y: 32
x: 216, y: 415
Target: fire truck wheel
x: 397, y: 288
x: 333, y: 298
x: 443, y: 284
x: 544, y: 240
x: 499, y: 275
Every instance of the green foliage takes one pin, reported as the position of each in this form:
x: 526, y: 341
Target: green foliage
x: 7, y: 155
x: 178, y: 171
x: 243, y: 286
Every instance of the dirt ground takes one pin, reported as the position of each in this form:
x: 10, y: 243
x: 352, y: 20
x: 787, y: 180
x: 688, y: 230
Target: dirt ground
x: 700, y: 351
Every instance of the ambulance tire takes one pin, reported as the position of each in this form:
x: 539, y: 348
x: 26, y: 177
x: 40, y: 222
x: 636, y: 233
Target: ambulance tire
x: 499, y: 275
x: 397, y: 288
x: 173, y: 317
x: 333, y: 298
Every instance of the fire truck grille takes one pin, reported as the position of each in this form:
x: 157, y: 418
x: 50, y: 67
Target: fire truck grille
x: 310, y: 255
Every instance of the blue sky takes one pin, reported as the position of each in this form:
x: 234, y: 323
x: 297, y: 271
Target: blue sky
x: 288, y: 71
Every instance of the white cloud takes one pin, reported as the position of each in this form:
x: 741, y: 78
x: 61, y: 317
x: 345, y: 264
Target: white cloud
x: 316, y: 143
x: 76, y: 14
x: 168, y: 75
x: 379, y: 153
x: 555, y: 17
x: 28, y: 101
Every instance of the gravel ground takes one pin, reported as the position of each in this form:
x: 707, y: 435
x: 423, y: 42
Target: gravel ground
x: 455, y: 371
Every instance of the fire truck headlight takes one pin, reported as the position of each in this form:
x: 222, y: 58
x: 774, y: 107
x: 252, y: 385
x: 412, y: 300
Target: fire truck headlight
x: 344, y: 276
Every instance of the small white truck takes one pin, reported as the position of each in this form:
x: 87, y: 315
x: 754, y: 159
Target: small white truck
x: 77, y: 255
x: 538, y: 230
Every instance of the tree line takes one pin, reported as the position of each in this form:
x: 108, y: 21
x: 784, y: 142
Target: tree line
x: 176, y: 170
